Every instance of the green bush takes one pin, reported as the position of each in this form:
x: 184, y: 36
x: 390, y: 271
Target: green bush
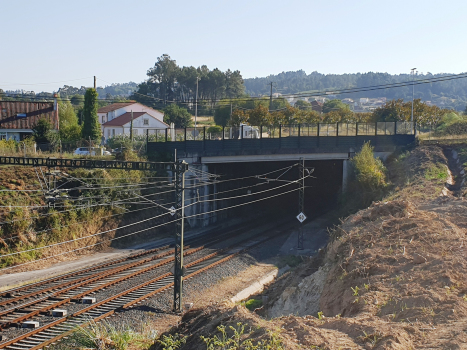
x: 371, y: 172
x: 253, y: 304
x: 214, y: 129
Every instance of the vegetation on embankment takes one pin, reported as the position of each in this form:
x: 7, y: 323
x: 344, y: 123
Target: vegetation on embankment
x: 394, y: 272
x: 85, y: 213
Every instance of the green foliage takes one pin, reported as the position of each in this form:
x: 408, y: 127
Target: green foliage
x: 239, y: 340
x: 43, y: 131
x: 302, y: 104
x: 290, y: 260
x: 91, y: 126
x: 105, y: 336
x: 70, y: 130
x: 452, y: 94
x: 177, y: 115
x: 215, y: 129
x: 168, y: 81
x: 334, y: 105
x: 222, y: 115
x: 8, y: 146
x: 253, y: 304
x: 371, y: 172
x: 436, y: 172
x: 172, y: 342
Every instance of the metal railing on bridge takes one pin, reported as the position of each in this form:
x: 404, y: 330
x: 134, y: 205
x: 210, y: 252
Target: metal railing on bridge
x: 280, y: 131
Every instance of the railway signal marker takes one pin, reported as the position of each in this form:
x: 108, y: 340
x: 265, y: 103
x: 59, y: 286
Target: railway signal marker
x: 301, y: 217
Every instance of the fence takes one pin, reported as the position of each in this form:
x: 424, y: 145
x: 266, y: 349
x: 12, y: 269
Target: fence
x: 245, y: 139
x: 281, y: 131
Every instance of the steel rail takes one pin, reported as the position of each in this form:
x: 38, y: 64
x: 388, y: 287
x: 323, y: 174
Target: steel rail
x: 13, y: 291
x: 92, y: 290
x: 76, y: 318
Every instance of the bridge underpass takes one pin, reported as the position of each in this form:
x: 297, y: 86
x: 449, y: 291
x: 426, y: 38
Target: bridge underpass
x: 325, y: 147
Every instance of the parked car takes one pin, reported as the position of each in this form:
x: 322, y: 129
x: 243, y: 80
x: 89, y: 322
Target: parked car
x: 83, y: 151
x: 90, y: 151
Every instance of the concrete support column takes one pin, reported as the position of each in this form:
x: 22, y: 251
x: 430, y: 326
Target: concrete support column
x: 206, y: 206
x: 346, y: 168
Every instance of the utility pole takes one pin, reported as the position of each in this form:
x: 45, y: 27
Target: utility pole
x: 131, y: 128
x: 180, y: 168
x: 413, y: 90
x: 301, y: 202
x: 94, y: 82
x: 270, y: 98
x: 196, y: 103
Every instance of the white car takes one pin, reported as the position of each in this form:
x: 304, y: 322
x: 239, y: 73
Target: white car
x: 83, y: 151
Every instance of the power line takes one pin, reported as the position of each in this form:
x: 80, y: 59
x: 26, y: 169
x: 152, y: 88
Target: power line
x: 116, y: 238
x: 60, y: 243
x: 319, y: 93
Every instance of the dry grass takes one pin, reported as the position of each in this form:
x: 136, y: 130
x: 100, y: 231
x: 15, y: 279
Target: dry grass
x: 398, y: 272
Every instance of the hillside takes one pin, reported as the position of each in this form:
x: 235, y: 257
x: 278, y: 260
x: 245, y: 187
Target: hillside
x: 392, y: 277
x: 446, y: 94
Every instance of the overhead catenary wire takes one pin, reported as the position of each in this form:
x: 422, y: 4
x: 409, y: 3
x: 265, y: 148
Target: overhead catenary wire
x: 116, y: 238
x: 141, y: 221
x: 317, y: 93
x: 81, y: 222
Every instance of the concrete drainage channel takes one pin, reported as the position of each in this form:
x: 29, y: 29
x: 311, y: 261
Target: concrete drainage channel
x: 55, y: 330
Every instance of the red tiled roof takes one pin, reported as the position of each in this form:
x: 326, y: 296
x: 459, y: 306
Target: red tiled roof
x: 123, y: 119
x: 114, y: 106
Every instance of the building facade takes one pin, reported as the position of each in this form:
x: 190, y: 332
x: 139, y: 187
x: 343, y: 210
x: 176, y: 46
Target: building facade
x: 115, y: 119
x: 17, y: 118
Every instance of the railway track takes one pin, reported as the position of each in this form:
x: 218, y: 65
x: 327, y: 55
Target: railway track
x: 27, y: 302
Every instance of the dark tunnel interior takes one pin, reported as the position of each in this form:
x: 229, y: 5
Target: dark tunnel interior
x: 322, y: 188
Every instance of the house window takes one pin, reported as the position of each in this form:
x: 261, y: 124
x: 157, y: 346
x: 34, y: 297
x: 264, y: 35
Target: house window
x: 145, y: 121
x: 2, y: 135
x: 108, y: 133
x: 113, y: 132
x: 103, y: 119
x: 135, y: 132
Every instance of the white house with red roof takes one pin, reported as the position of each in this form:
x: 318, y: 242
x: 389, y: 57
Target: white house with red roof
x: 115, y: 119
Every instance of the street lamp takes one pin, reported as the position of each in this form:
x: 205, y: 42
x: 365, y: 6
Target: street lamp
x: 412, y: 71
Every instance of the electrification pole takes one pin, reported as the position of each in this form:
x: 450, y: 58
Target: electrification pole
x: 301, y: 201
x: 270, y: 98
x: 413, y: 91
x: 94, y: 82
x: 180, y: 168
x: 196, y: 103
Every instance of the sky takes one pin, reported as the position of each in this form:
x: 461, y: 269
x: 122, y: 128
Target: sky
x: 46, y: 44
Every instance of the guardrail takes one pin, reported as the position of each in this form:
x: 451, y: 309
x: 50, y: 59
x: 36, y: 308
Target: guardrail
x: 250, y: 139
x: 280, y: 131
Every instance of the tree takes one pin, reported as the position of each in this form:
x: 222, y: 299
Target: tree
x: 259, y: 116
x: 222, y: 115
x: 177, y: 115
x: 91, y: 126
x: 70, y: 130
x: 334, y: 105
x: 163, y: 75
x: 301, y: 104
x: 41, y: 131
x: 238, y: 117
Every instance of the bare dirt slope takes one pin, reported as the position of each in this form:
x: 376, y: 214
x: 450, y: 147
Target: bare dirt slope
x: 395, y: 274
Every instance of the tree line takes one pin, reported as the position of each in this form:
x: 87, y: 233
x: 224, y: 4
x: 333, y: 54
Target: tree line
x: 334, y: 111
x: 167, y: 82
x: 448, y: 94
